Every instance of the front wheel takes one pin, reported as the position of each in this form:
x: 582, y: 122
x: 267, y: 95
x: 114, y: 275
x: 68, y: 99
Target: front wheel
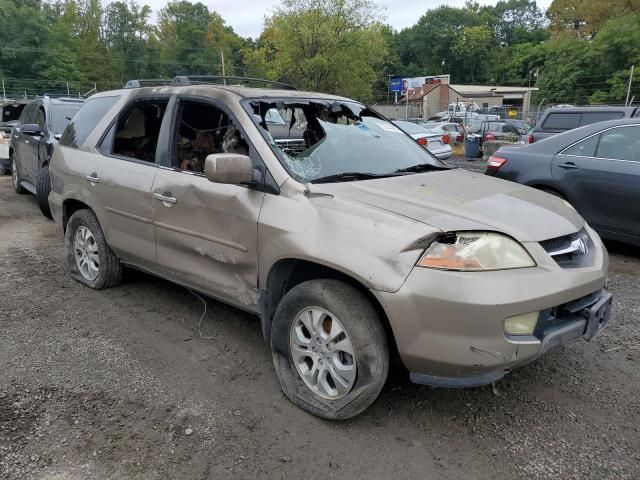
x: 329, y: 349
x: 43, y: 189
x: 89, y: 259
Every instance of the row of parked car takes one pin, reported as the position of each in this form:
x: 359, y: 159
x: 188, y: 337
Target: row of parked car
x: 347, y: 237
x: 31, y: 139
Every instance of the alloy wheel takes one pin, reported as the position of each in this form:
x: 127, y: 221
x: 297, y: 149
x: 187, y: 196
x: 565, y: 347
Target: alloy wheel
x: 323, y: 353
x: 85, y: 252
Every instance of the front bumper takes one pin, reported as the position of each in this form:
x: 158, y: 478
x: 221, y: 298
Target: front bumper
x: 449, y: 326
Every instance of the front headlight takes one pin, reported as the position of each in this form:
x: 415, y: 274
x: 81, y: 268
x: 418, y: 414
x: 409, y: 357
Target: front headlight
x: 473, y: 251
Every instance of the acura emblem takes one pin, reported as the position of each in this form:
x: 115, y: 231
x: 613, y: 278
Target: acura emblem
x: 580, y: 244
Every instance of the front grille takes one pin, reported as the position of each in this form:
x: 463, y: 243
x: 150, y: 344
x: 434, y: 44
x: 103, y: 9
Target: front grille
x: 555, y: 243
x: 571, y: 251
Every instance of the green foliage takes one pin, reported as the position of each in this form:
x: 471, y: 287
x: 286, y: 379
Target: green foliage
x: 324, y: 45
x: 585, y: 18
x: 45, y: 46
x: 579, y: 51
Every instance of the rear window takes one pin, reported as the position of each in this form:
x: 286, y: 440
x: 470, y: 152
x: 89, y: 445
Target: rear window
x: 562, y: 121
x: 410, y: 128
x: 585, y: 148
x: 86, y: 119
x: 12, y: 112
x: 592, y: 117
x: 61, y: 114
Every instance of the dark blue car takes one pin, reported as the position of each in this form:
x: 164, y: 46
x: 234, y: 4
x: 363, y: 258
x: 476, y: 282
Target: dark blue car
x: 596, y: 168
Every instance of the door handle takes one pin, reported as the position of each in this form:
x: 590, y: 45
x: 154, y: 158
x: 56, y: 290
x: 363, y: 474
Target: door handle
x: 93, y: 178
x: 568, y: 166
x: 165, y: 198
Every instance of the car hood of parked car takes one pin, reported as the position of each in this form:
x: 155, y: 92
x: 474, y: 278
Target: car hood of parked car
x: 457, y: 200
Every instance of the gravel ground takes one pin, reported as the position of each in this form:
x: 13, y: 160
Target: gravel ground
x: 130, y: 383
x: 473, y: 164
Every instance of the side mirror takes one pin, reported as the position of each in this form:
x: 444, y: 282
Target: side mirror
x: 228, y: 168
x: 31, y: 129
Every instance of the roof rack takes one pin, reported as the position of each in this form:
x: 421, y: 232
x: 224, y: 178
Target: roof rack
x: 184, y: 80
x: 63, y: 97
x: 148, y: 82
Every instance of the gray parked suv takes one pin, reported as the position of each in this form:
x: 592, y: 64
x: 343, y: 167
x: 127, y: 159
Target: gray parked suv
x: 356, y: 246
x: 561, y: 119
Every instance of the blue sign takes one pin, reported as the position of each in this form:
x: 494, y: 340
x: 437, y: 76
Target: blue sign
x: 396, y: 85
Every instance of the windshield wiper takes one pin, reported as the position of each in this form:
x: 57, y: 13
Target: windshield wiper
x: 351, y: 176
x: 421, y: 167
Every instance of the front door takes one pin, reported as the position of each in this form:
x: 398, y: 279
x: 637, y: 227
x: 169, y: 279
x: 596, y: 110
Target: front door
x: 207, y: 232
x: 32, y: 148
x: 603, y: 173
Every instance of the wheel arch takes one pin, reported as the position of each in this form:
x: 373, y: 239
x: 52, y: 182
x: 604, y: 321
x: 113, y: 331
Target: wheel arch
x: 286, y: 273
x: 69, y: 207
x: 548, y: 187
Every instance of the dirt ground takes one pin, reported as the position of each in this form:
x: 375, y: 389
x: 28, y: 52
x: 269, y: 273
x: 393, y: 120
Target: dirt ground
x: 135, y: 383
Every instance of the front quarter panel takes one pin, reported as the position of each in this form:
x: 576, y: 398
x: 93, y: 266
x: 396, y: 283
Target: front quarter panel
x: 375, y: 247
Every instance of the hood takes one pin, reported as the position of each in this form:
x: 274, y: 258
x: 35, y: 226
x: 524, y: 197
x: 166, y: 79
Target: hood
x: 454, y: 200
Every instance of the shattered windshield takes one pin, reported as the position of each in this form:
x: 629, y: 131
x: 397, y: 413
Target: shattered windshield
x: 319, y: 140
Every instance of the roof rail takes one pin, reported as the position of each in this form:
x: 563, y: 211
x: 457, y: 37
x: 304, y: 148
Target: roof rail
x: 148, y: 82
x: 184, y: 80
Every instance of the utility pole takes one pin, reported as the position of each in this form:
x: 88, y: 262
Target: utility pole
x: 224, y: 80
x: 626, y: 102
x: 4, y: 94
x: 389, y: 89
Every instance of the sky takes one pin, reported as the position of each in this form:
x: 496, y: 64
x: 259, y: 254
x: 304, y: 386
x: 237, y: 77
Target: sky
x: 247, y: 16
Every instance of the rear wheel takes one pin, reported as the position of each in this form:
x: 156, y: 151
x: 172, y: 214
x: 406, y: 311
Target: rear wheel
x: 89, y: 259
x: 43, y: 188
x: 329, y: 349
x: 15, y: 174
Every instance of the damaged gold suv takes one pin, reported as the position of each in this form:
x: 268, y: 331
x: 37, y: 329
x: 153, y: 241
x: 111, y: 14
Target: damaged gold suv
x: 349, y: 239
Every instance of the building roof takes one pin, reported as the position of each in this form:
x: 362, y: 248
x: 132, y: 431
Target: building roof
x: 489, y: 90
x: 419, y: 93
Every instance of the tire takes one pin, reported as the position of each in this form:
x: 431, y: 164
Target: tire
x: 43, y: 188
x: 108, y: 271
x: 15, y: 173
x: 362, y: 327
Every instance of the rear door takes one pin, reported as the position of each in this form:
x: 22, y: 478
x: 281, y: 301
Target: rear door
x: 115, y: 178
x: 21, y: 142
x: 207, y: 232
x: 601, y: 178
x: 126, y: 173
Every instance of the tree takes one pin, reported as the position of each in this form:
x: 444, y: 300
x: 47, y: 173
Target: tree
x: 585, y: 18
x: 193, y: 38
x: 323, y: 45
x: 126, y: 33
x: 615, y: 49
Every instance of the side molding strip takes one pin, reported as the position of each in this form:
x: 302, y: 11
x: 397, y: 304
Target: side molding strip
x: 220, y: 241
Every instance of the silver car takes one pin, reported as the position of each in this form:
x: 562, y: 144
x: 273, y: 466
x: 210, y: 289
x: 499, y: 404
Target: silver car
x: 356, y: 246
x: 436, y: 142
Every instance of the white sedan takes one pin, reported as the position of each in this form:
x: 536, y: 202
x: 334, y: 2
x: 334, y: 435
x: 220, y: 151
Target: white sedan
x: 435, y: 142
